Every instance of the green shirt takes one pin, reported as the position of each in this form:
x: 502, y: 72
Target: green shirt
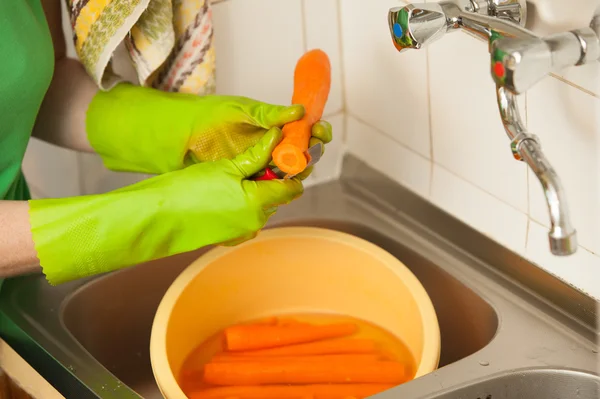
x: 26, y: 68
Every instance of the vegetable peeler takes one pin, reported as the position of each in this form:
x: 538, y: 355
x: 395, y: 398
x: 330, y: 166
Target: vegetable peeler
x: 275, y: 173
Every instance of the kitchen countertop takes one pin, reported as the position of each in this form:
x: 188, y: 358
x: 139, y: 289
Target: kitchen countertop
x: 24, y: 376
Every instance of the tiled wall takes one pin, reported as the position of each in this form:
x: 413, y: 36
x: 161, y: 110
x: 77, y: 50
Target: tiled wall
x: 428, y: 119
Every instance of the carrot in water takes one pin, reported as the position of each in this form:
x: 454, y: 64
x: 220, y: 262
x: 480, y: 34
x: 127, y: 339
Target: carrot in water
x: 300, y: 372
x: 291, y: 396
x: 312, y: 82
x: 288, y: 322
x: 254, y: 396
x: 227, y: 358
x: 273, y: 320
x: 325, y: 347
x: 318, y: 391
x: 250, y: 337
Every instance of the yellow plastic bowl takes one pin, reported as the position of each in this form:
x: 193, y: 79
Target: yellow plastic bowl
x: 290, y: 270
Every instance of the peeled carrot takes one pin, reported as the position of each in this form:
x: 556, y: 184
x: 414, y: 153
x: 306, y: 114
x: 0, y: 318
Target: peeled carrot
x: 250, y: 337
x: 300, y: 372
x: 312, y: 83
x: 325, y: 347
x: 318, y: 391
x: 227, y: 358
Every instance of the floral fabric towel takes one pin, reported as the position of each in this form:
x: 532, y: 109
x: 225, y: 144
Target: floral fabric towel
x: 170, y: 42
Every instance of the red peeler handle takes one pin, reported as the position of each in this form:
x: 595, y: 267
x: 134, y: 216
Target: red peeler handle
x: 269, y: 175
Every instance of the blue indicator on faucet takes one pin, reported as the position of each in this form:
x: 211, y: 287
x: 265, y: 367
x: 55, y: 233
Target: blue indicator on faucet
x: 398, y: 32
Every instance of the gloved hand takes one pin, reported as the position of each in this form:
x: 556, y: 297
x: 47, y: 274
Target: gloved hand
x: 145, y: 130
x: 207, y: 203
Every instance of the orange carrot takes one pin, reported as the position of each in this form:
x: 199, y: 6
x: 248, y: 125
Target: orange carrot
x: 250, y: 337
x: 273, y: 320
x: 228, y: 358
x: 325, y: 347
x: 288, y: 322
x: 318, y: 391
x: 312, y: 82
x: 300, y: 372
x: 254, y: 396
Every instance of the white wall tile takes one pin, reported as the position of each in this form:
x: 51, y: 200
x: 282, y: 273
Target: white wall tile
x: 468, y: 136
x: 97, y: 179
x: 581, y: 269
x: 51, y: 170
x: 329, y: 166
x: 386, y: 89
x: 310, y: 181
x: 322, y: 30
x: 585, y: 76
x: 35, y: 192
x: 68, y: 31
x: 258, y: 44
x: 552, y: 16
x: 387, y: 156
x: 567, y: 122
x: 479, y: 209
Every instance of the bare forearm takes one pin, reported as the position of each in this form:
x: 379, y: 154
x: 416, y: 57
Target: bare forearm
x: 61, y: 119
x: 17, y: 251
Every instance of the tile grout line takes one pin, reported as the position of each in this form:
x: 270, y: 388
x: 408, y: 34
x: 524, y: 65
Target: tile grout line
x: 338, y: 5
x: 429, y: 115
x: 338, y: 163
x: 315, y: 173
x: 343, y: 89
x: 388, y: 136
x: 528, y: 195
x: 80, y: 179
x: 334, y: 113
x: 303, y: 18
x: 481, y: 189
x: 527, y: 235
x: 395, y: 141
x: 575, y: 86
x: 35, y: 187
x: 343, y: 146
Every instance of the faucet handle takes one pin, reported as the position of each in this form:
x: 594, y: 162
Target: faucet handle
x: 416, y: 25
x: 518, y: 64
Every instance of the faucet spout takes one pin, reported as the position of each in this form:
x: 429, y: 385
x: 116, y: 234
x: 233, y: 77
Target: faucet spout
x: 526, y: 147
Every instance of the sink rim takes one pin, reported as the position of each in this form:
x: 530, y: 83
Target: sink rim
x: 526, y: 372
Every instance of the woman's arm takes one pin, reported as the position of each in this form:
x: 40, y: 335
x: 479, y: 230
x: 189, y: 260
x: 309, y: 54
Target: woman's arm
x: 16, y: 245
x: 61, y: 119
x: 60, y: 122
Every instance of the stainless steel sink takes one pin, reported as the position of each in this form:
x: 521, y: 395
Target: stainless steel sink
x: 509, y: 330
x: 545, y: 383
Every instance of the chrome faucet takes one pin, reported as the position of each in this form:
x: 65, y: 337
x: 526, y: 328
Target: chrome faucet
x: 526, y: 147
x: 519, y: 59
x: 416, y: 25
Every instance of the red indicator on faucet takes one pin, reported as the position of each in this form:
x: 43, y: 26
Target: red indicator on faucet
x: 499, y: 69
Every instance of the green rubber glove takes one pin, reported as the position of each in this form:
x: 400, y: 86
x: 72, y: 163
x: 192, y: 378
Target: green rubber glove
x: 145, y: 130
x: 207, y: 203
